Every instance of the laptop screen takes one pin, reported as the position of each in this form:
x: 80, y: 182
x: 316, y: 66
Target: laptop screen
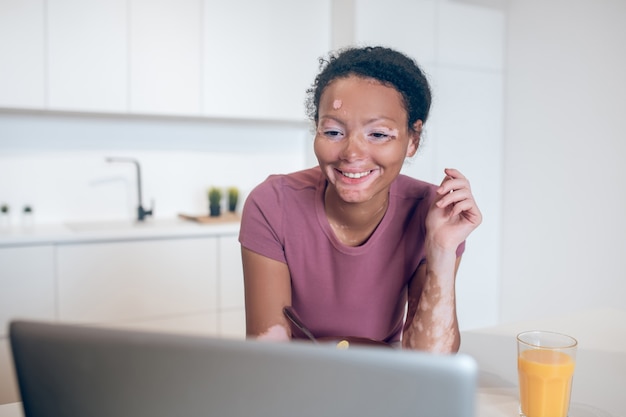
x: 78, y: 371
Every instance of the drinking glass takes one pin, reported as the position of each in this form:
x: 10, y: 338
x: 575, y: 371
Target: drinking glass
x: 545, y: 364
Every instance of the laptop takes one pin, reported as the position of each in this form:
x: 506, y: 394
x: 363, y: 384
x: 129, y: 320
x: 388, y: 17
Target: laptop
x: 79, y: 371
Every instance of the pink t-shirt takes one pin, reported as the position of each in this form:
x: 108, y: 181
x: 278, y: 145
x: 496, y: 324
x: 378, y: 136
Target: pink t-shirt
x: 339, y: 290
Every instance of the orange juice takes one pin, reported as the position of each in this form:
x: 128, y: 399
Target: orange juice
x: 545, y: 379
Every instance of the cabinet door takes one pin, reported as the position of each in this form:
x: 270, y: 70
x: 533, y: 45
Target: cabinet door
x: 22, y: 71
x: 27, y: 284
x: 26, y: 292
x: 231, y: 273
x: 137, y: 281
x: 232, y: 320
x: 165, y: 50
x: 8, y: 383
x: 201, y: 324
x: 261, y: 56
x: 87, y: 55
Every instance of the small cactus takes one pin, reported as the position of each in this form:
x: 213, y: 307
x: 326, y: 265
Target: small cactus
x: 215, y: 201
x: 233, y: 197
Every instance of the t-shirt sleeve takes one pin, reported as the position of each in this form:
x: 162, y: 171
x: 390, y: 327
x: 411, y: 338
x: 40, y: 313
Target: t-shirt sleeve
x: 460, y: 249
x: 261, y: 228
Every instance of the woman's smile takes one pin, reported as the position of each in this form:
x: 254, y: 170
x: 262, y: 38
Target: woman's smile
x: 355, y: 175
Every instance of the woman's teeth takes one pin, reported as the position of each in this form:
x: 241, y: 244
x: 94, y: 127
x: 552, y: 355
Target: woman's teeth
x: 355, y: 174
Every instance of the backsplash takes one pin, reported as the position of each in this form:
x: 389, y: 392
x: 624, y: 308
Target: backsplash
x: 56, y: 163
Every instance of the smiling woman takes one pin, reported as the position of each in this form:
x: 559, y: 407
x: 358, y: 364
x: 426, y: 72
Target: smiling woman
x: 350, y: 242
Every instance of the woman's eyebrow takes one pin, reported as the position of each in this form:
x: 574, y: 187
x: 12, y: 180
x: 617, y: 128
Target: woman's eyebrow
x: 380, y: 119
x: 332, y: 118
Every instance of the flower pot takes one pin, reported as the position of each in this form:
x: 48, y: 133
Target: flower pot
x: 215, y: 210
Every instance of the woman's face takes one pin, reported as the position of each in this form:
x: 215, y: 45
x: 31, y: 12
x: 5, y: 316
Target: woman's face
x: 362, y: 138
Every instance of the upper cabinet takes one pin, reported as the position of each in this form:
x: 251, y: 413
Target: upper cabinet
x: 165, y: 56
x: 87, y: 55
x: 22, y: 56
x: 240, y: 59
x: 261, y: 56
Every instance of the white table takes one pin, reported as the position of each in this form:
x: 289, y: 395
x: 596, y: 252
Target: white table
x: 599, y: 388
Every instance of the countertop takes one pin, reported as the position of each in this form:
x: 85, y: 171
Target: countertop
x: 599, y: 378
x: 115, y: 230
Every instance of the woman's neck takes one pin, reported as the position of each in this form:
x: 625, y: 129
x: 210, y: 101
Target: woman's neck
x: 354, y: 223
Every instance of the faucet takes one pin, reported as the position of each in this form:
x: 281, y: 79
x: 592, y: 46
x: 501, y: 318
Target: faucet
x: 141, y: 212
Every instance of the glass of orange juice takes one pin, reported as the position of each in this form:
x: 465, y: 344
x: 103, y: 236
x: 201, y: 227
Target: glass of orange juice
x: 545, y: 364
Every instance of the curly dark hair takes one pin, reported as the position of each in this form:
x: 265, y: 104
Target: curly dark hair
x: 390, y: 67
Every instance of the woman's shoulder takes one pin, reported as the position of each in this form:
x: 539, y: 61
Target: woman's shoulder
x: 299, y: 179
x: 406, y: 187
x: 278, y: 185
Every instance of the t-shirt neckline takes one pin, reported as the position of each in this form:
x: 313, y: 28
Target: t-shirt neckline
x: 328, y: 230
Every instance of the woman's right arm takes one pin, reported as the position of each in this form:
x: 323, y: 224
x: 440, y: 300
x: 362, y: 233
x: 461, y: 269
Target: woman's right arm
x: 267, y: 286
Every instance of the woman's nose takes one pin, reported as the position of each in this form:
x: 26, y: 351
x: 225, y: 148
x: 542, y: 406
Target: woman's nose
x: 354, y: 148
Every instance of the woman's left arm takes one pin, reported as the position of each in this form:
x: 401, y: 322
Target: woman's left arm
x: 431, y: 322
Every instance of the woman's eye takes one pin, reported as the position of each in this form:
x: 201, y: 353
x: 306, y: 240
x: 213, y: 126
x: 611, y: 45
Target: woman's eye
x: 332, y: 133
x: 379, y: 136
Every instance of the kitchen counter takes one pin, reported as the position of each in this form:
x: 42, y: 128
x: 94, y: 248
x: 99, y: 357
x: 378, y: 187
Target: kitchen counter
x: 116, y: 230
x: 599, y: 378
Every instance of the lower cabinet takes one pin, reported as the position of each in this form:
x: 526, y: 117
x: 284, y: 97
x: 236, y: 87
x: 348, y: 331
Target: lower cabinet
x: 26, y: 292
x: 191, y: 285
x: 232, y: 319
x: 116, y: 282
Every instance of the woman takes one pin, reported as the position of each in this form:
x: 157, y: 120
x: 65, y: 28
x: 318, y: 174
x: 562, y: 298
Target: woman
x: 349, y: 242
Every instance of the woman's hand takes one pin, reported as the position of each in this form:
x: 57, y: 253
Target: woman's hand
x: 454, y: 213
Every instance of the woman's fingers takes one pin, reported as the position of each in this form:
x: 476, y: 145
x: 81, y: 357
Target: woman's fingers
x: 455, y: 192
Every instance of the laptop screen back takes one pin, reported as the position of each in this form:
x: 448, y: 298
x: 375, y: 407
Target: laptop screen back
x: 77, y: 371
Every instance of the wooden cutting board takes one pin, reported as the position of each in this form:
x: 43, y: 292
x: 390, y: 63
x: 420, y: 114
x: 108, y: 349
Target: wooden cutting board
x: 225, y: 217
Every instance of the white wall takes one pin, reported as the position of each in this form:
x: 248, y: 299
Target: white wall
x: 565, y: 193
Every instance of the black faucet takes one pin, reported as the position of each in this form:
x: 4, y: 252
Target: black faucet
x: 141, y: 212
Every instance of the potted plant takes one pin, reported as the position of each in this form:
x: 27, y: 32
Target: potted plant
x: 233, y: 197
x: 4, y: 215
x: 215, y: 201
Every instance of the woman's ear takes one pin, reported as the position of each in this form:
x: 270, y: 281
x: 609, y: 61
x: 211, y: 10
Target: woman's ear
x: 415, y: 135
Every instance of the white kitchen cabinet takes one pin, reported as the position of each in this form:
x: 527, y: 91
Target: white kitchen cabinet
x: 26, y: 292
x: 135, y: 281
x: 232, y: 322
x: 22, y: 40
x: 261, y: 56
x: 165, y: 56
x: 201, y: 324
x: 26, y: 284
x: 412, y: 30
x: 8, y: 384
x: 231, y: 273
x: 87, y: 55
x: 240, y: 59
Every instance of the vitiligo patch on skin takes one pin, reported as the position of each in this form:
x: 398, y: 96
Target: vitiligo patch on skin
x: 391, y: 132
x: 275, y: 333
x: 337, y: 104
